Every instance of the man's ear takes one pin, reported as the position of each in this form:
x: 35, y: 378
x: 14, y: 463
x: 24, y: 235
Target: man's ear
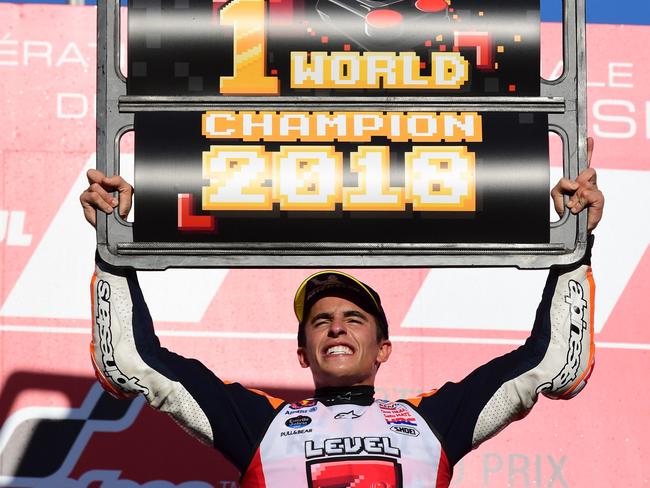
x: 302, y: 357
x: 385, y: 348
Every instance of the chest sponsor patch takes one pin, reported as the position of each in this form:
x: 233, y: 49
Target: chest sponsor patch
x: 288, y: 433
x: 302, y: 410
x: 303, y: 404
x: 396, y: 414
x: 298, y: 422
x: 348, y: 415
x: 405, y: 430
x: 339, y: 446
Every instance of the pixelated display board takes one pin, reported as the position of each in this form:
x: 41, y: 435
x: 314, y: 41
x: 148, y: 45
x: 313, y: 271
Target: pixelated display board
x: 336, y: 132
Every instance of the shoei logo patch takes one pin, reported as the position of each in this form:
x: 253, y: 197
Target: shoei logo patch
x: 298, y: 422
x: 404, y: 430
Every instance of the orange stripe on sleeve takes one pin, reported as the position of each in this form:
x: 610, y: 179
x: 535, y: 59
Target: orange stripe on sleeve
x: 275, y: 402
x: 416, y: 401
x: 592, y: 346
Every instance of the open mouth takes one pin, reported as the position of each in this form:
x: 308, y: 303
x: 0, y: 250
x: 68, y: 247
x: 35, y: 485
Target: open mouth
x: 339, y: 350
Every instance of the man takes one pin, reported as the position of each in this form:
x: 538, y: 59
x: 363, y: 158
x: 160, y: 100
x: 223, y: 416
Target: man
x: 343, y: 436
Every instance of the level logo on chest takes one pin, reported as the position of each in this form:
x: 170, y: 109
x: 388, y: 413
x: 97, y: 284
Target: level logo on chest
x: 351, y: 446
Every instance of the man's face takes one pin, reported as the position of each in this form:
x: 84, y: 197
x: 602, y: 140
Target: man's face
x: 341, y: 346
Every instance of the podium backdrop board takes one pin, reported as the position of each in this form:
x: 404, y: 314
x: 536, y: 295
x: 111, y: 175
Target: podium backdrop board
x: 347, y: 133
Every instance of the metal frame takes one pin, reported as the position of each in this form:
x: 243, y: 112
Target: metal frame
x: 563, y: 99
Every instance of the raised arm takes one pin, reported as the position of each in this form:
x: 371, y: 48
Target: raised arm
x: 129, y: 360
x: 555, y: 361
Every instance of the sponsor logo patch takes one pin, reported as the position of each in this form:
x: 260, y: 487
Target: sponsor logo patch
x: 396, y: 414
x: 303, y: 404
x: 350, y: 445
x: 348, y: 415
x: 405, y: 430
x: 302, y: 410
x: 287, y: 433
x: 386, y: 405
x: 298, y: 422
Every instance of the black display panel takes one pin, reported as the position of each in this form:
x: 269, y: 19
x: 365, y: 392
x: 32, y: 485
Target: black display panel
x: 362, y: 175
x: 193, y: 186
x: 333, y: 47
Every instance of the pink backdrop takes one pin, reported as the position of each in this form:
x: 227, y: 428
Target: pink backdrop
x: 57, y: 429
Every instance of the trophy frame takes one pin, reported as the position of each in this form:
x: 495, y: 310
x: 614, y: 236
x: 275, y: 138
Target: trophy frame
x: 563, y: 100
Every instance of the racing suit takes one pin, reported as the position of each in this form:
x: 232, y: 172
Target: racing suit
x: 344, y: 437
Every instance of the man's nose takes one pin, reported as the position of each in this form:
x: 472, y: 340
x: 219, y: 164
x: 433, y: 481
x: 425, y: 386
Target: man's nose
x: 337, y: 327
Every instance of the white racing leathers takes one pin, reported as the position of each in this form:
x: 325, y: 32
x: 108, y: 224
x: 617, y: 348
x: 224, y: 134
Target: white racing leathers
x: 344, y: 437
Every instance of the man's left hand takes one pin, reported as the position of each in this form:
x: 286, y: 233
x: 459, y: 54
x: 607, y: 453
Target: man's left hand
x: 583, y: 193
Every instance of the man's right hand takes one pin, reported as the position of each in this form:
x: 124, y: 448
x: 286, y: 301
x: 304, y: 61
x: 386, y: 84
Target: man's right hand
x: 98, y: 195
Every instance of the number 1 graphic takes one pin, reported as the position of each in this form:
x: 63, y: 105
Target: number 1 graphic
x: 249, y: 50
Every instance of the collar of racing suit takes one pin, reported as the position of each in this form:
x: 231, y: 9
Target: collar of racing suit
x: 336, y: 395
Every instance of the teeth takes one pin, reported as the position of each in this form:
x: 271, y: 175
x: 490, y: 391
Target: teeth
x: 339, y: 350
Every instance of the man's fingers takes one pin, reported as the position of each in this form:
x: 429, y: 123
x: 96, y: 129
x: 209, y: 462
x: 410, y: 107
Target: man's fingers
x: 594, y: 200
x: 94, y: 176
x: 564, y: 187
x: 586, y: 182
x: 104, y: 185
x: 96, y: 200
x: 98, y: 195
x: 116, y: 182
x: 126, y: 193
x: 583, y: 193
x: 109, y: 183
x: 89, y: 211
x: 103, y: 194
x: 587, y: 177
x: 91, y: 200
x: 595, y: 211
x: 125, y: 204
x: 558, y: 201
x: 585, y: 197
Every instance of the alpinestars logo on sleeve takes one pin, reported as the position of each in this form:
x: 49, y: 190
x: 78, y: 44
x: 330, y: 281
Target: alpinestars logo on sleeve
x: 577, y: 312
x: 103, y: 322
